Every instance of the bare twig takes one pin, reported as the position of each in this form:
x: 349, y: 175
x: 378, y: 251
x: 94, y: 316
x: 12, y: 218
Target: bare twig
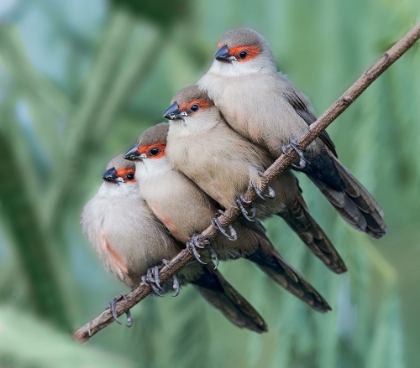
x: 281, y: 164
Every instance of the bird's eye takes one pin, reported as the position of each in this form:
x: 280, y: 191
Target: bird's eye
x: 194, y: 107
x: 154, y: 151
x: 130, y: 176
x: 243, y: 55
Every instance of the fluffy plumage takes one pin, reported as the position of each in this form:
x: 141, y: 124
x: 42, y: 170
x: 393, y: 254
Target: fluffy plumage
x: 223, y: 164
x: 266, y: 108
x: 124, y: 232
x: 187, y: 210
x: 129, y: 239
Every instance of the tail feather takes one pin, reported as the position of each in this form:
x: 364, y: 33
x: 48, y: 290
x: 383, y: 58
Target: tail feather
x: 300, y: 220
x: 344, y: 205
x: 355, y: 204
x: 222, y: 295
x: 356, y: 190
x: 266, y: 257
x: 270, y: 262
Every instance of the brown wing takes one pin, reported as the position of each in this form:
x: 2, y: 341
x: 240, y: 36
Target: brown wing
x: 352, y: 201
x: 304, y: 110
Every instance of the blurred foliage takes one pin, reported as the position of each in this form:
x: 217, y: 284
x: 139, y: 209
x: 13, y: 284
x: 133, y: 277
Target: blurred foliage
x: 163, y: 12
x: 44, y: 347
x: 79, y: 81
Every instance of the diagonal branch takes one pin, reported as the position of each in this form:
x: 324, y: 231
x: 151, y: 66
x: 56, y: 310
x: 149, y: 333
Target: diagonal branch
x: 282, y: 163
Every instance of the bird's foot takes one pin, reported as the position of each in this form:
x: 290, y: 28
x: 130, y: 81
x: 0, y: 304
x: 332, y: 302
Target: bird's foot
x: 152, y: 278
x: 175, y: 282
x: 214, y: 256
x: 215, y: 222
x: 113, y: 309
x: 193, y: 244
x: 258, y: 192
x: 271, y: 193
x: 293, y: 143
x: 240, y: 201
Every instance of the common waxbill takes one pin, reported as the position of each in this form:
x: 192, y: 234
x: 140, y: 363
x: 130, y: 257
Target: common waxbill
x: 186, y: 210
x: 265, y: 107
x: 223, y: 164
x: 131, y: 242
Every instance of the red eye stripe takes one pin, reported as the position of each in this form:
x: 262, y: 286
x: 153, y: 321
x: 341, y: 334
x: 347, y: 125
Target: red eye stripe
x: 143, y: 149
x: 122, y: 173
x: 185, y: 106
x: 147, y: 147
x: 252, y: 52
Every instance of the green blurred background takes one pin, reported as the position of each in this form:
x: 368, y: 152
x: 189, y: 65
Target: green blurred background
x: 80, y: 80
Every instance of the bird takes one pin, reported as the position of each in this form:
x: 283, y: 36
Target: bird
x: 263, y: 106
x: 223, y: 164
x: 131, y: 242
x: 186, y: 211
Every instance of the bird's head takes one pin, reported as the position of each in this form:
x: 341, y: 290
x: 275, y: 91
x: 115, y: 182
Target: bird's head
x: 150, y: 145
x: 193, y: 108
x: 243, y: 51
x: 120, y: 171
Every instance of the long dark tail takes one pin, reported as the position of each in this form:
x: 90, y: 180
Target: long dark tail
x: 272, y: 263
x: 286, y: 276
x: 352, y: 201
x: 300, y: 220
x: 222, y: 295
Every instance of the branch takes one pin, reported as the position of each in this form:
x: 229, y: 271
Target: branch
x: 281, y: 164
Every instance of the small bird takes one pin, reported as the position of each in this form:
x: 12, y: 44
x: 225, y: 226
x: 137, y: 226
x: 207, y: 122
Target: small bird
x: 223, y: 164
x: 186, y: 210
x: 131, y: 242
x: 265, y: 107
